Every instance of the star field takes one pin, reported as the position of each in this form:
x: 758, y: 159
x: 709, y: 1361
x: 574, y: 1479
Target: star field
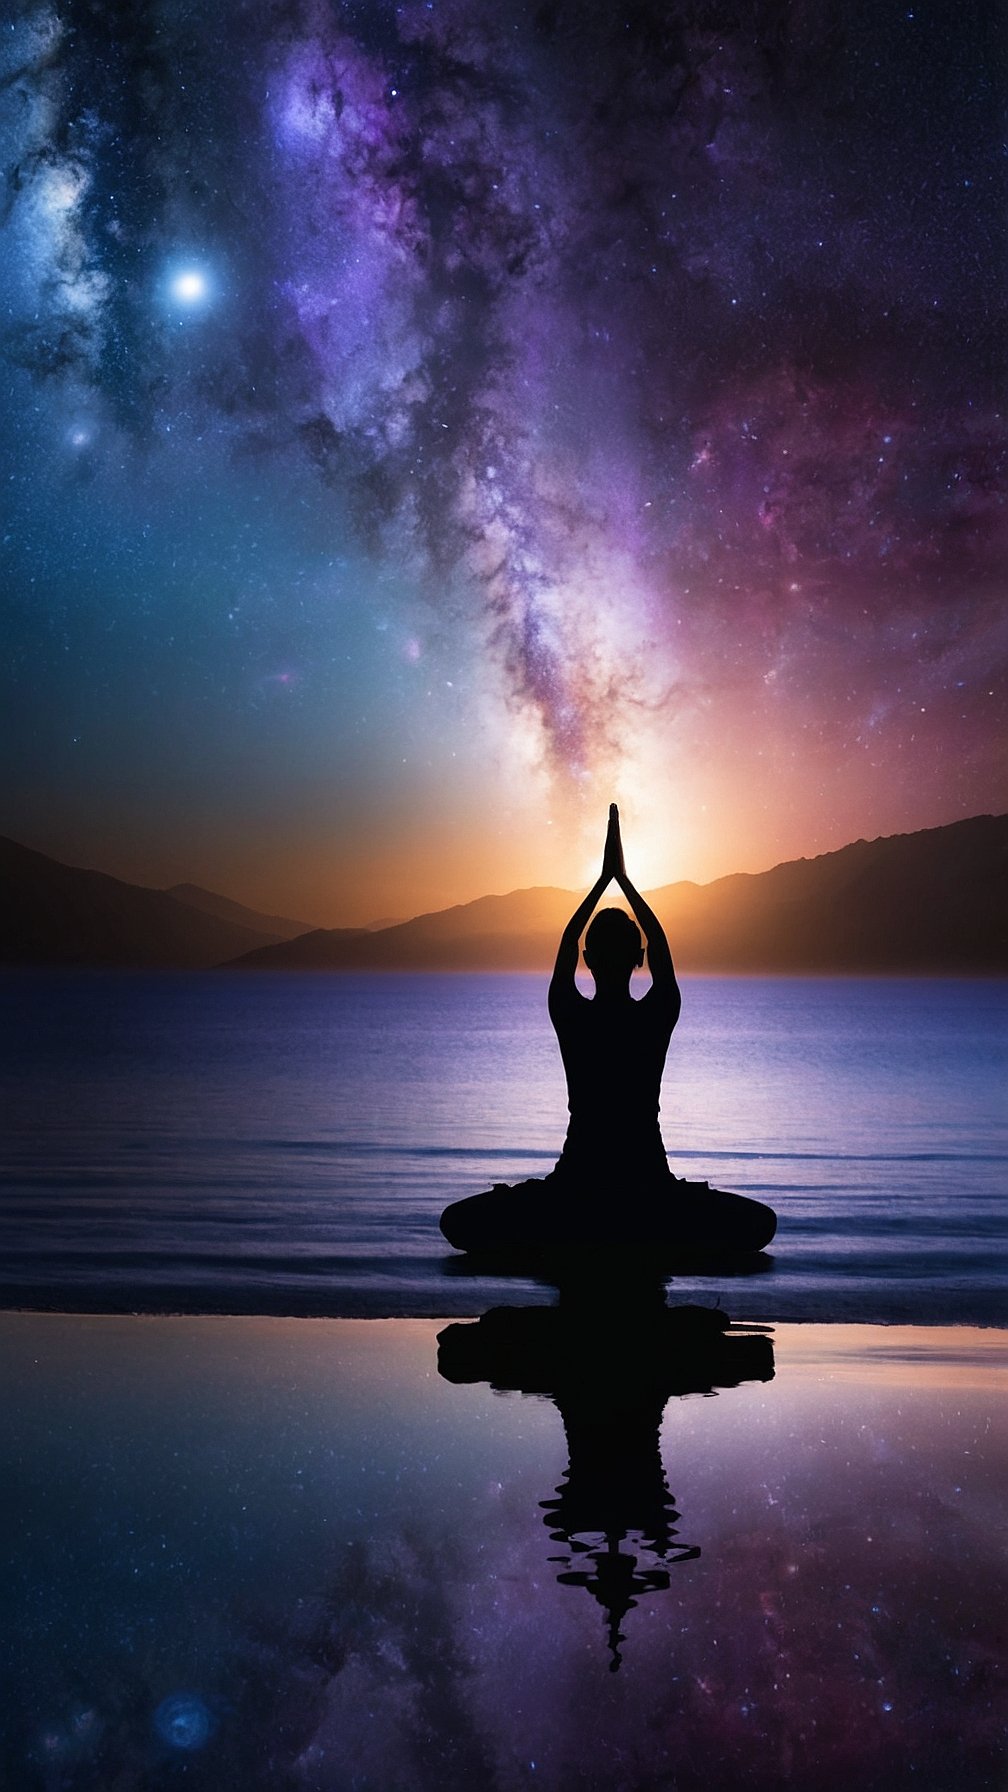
x: 414, y: 411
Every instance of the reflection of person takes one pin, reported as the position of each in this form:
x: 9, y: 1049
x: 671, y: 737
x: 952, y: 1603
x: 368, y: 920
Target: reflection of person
x: 613, y: 1047
x: 611, y: 1356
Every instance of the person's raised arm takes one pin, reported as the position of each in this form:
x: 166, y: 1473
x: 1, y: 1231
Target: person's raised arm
x: 663, y: 977
x: 567, y: 952
x: 562, y: 980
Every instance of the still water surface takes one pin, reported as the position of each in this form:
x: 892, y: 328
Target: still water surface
x: 287, y: 1142
x: 289, y: 1556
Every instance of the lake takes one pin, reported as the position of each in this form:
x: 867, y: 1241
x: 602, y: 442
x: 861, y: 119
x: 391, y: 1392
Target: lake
x: 285, y: 1143
x: 504, y: 1537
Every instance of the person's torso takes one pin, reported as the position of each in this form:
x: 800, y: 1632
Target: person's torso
x: 613, y: 1056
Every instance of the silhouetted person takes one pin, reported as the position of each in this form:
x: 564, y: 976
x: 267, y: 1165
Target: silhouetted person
x: 612, y: 1187
x: 613, y: 1047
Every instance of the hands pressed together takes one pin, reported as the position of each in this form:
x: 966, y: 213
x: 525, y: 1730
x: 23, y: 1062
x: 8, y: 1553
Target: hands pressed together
x: 612, y: 857
x: 614, y: 871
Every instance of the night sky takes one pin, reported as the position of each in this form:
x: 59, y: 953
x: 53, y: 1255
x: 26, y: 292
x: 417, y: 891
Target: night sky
x: 422, y: 424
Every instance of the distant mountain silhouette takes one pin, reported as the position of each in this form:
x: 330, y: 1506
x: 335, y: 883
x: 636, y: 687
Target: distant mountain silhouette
x: 930, y: 901
x: 515, y: 932
x: 272, y: 927
x: 58, y: 914
x: 933, y: 901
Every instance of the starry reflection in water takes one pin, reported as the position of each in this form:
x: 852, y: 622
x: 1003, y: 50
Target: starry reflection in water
x: 288, y: 1554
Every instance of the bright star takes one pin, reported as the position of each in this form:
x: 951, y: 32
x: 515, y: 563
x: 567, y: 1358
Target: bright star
x: 189, y: 286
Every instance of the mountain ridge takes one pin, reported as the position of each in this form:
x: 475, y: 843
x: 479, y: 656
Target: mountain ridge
x: 279, y: 927
x: 931, y: 900
x: 935, y: 900
x: 57, y: 914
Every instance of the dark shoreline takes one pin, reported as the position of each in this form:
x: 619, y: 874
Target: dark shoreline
x: 987, y: 1313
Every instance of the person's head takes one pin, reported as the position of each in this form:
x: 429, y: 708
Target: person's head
x: 613, y: 947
